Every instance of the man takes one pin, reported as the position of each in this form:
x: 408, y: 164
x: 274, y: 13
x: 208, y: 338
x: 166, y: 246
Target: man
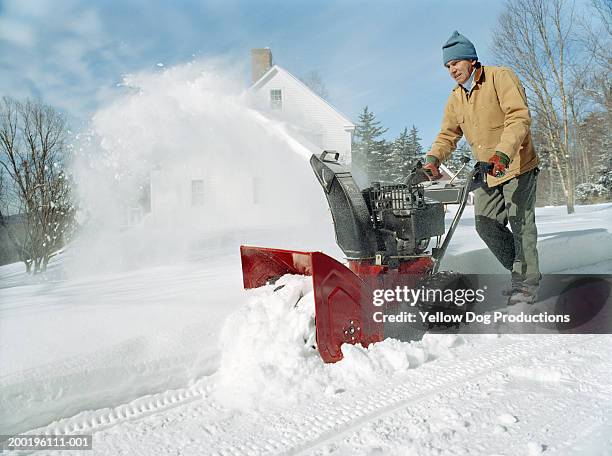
x: 489, y: 107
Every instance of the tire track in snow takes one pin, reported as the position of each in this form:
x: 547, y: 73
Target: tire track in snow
x: 546, y: 425
x: 98, y: 420
x: 78, y: 376
x: 306, y: 428
x: 301, y: 428
x: 404, y: 395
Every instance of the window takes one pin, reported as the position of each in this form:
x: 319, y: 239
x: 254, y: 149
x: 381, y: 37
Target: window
x: 197, y: 192
x: 276, y: 99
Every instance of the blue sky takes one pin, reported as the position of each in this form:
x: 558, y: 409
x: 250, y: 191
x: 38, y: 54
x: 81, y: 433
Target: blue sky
x: 384, y: 54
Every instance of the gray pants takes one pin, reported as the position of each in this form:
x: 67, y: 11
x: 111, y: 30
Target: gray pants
x: 514, y: 202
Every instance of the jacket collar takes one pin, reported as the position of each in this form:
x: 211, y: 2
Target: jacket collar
x: 478, y: 74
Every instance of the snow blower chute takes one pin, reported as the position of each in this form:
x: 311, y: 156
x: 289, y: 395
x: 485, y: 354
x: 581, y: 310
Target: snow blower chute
x: 385, y: 232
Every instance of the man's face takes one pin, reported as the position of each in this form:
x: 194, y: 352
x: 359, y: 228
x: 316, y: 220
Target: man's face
x: 460, y: 70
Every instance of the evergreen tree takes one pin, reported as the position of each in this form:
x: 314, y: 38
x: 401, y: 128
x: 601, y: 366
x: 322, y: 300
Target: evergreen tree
x: 414, y: 144
x: 399, y: 166
x: 454, y: 163
x: 605, y: 178
x: 406, y: 150
x: 386, y: 170
x: 369, y: 150
x: 415, y: 150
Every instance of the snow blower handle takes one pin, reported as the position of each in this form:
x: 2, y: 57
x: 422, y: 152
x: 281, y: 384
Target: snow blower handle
x: 478, y: 176
x: 330, y: 152
x: 484, y: 167
x: 418, y: 175
x: 476, y: 179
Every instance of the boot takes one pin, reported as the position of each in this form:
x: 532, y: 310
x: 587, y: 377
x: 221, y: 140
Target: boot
x: 527, y: 293
x: 516, y: 284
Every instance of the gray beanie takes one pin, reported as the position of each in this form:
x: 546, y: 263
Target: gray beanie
x: 458, y: 47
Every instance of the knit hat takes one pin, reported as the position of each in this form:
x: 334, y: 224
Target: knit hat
x: 458, y: 47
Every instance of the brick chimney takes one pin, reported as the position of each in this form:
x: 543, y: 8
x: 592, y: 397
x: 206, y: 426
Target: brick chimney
x: 261, y: 61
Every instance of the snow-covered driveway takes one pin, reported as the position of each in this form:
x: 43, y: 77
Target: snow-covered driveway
x: 144, y: 360
x: 505, y: 396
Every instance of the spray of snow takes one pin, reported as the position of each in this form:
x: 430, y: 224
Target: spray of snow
x: 268, y: 355
x: 173, y: 132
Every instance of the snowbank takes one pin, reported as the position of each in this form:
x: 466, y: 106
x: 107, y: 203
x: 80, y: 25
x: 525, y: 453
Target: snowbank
x: 566, y: 243
x: 268, y: 358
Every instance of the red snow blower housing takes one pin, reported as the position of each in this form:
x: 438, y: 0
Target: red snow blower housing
x: 385, y: 232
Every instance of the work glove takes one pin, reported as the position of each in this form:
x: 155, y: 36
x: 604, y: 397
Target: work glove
x: 432, y: 167
x: 499, y: 162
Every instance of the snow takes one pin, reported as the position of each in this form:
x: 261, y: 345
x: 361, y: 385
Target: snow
x: 268, y: 344
x: 145, y: 338
x: 507, y: 419
x: 585, y: 234
x: 120, y: 353
x: 169, y: 128
x: 116, y: 336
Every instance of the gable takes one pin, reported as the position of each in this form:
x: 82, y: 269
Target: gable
x: 286, y: 79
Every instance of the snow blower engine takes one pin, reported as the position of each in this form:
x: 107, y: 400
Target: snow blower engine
x: 385, y: 231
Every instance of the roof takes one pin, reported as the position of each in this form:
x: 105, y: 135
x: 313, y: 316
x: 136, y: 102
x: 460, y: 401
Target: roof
x: 277, y: 69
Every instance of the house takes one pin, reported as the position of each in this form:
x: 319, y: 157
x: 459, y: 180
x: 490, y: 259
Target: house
x: 312, y: 120
x: 250, y: 164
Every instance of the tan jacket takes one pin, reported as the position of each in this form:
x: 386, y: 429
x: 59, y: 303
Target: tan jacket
x: 494, y: 117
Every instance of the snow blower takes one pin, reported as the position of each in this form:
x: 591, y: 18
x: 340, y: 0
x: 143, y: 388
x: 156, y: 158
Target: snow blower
x: 385, y: 232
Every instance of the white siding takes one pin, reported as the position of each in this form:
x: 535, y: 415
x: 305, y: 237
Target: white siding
x: 323, y: 126
x: 242, y: 193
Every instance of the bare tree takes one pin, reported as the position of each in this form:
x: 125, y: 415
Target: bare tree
x: 4, y: 200
x: 314, y: 81
x: 598, y: 33
x: 537, y: 38
x: 34, y: 155
x: 3, y: 196
x: 595, y: 84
